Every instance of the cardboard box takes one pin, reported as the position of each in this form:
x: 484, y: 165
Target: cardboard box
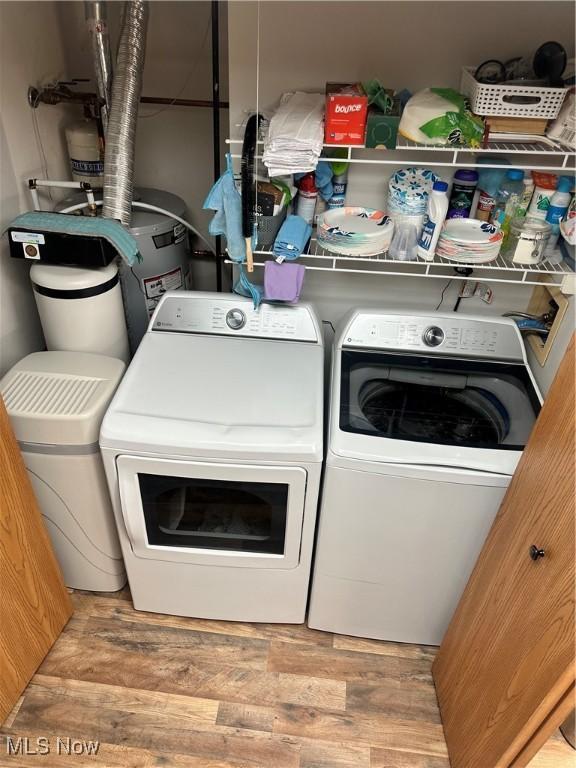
x: 382, y: 129
x: 535, y: 126
x: 345, y: 120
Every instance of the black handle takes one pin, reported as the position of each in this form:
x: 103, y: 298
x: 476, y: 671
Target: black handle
x: 535, y: 552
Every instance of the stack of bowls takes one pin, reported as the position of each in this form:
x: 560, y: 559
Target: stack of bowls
x: 408, y: 191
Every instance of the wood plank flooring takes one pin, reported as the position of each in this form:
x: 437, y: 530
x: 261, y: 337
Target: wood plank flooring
x: 159, y: 690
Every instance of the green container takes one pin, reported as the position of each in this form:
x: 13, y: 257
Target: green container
x: 382, y: 129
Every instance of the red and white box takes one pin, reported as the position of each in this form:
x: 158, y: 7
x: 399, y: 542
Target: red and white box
x: 346, y: 113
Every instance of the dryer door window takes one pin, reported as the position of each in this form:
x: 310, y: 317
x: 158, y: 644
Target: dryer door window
x: 224, y: 514
x: 215, y: 514
x: 458, y: 402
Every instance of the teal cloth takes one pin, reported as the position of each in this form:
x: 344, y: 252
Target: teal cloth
x: 226, y: 201
x: 84, y: 226
x: 244, y: 287
x: 292, y: 238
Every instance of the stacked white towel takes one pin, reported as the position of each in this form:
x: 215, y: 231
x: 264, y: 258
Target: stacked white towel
x: 296, y: 134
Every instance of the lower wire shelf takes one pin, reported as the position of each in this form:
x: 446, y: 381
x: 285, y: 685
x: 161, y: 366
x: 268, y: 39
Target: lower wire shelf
x: 315, y: 258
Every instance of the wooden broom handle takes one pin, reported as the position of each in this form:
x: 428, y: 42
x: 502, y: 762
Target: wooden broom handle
x: 249, y: 256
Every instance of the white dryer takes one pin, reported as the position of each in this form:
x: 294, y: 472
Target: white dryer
x: 213, y: 453
x: 429, y: 416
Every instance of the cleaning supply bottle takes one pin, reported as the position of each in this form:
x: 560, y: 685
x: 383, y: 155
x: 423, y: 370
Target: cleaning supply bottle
x: 307, y: 196
x: 484, y: 207
x: 529, y: 185
x: 339, y: 180
x: 437, y: 209
x: 508, y: 200
x: 558, y: 208
x: 463, y: 188
x: 544, y: 187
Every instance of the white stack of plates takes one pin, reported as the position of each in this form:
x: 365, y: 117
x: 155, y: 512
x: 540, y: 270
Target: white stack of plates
x: 354, y: 231
x: 469, y: 241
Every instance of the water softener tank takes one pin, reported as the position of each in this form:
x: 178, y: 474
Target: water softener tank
x: 165, y: 266
x: 81, y: 309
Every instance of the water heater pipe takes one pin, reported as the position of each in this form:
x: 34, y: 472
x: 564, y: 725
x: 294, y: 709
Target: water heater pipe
x: 123, y: 116
x: 33, y: 185
x: 96, y: 21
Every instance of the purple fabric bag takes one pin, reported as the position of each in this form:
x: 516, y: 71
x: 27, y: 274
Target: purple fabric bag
x: 283, y: 282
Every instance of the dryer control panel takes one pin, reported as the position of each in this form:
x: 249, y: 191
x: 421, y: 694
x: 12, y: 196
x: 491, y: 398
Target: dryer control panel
x: 444, y: 334
x: 229, y: 315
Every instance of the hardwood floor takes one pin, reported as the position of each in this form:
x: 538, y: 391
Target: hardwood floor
x: 159, y: 690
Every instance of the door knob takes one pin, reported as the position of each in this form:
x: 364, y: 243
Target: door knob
x: 535, y: 553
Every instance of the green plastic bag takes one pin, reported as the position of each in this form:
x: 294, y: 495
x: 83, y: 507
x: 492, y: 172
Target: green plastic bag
x: 460, y: 127
x: 378, y: 96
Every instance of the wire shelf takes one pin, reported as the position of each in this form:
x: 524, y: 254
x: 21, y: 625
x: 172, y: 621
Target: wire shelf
x: 316, y: 258
x: 498, y: 271
x: 500, y: 144
x: 538, y: 145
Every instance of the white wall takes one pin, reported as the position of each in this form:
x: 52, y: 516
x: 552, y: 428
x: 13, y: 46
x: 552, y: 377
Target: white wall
x: 406, y: 45
x: 173, y: 144
x: 31, y: 52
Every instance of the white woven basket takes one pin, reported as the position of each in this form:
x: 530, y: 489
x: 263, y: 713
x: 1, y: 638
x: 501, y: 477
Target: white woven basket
x: 498, y: 100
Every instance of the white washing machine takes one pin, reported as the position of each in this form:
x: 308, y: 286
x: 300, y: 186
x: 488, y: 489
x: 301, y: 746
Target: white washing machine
x: 213, y: 449
x: 429, y: 416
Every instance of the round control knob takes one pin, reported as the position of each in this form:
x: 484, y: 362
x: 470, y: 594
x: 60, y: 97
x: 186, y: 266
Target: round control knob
x: 235, y: 319
x: 433, y: 336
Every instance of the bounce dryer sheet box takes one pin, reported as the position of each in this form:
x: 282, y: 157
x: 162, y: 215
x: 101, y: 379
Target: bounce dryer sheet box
x: 346, y: 110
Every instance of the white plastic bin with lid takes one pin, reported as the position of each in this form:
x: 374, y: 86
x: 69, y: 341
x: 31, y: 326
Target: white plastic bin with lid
x: 56, y: 402
x: 81, y: 309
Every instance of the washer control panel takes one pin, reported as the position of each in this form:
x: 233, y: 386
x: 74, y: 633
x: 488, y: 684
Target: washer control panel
x: 229, y: 315
x: 442, y: 334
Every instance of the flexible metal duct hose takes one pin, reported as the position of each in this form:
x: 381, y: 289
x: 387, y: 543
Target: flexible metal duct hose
x: 121, y: 133
x: 97, y: 24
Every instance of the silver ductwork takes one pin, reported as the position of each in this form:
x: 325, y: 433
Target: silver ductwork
x: 121, y: 133
x: 97, y: 24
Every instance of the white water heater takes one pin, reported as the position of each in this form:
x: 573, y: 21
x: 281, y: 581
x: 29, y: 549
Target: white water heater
x: 165, y: 266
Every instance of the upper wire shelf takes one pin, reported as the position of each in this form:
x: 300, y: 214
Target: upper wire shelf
x: 499, y: 144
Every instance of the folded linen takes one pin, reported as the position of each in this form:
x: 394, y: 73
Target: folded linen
x: 283, y: 282
x: 292, y: 238
x: 296, y: 133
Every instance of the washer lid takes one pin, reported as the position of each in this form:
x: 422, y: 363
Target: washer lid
x: 215, y: 396
x: 71, y: 278
x: 59, y: 398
